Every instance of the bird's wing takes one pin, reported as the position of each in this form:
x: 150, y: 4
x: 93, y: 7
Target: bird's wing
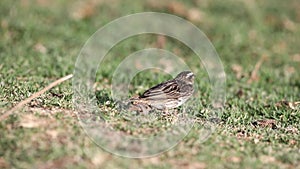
x: 167, y: 90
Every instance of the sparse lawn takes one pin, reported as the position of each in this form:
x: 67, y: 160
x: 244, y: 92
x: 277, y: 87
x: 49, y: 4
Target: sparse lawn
x: 260, y: 127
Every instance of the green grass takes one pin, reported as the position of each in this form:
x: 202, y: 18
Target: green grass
x: 40, y: 41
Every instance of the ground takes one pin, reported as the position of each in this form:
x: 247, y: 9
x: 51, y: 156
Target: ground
x: 258, y: 44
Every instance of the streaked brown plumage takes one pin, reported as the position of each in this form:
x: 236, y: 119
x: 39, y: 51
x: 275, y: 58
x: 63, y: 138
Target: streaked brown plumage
x: 166, y: 95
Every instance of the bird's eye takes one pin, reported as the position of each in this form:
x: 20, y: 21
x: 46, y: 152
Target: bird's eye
x: 190, y: 75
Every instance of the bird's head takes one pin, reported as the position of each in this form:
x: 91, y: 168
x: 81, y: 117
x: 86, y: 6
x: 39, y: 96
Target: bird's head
x: 186, y: 76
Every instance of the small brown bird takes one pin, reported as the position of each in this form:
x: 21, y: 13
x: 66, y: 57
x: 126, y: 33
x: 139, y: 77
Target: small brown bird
x: 166, y: 95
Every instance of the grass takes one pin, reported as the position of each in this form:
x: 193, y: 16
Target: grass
x: 40, y: 41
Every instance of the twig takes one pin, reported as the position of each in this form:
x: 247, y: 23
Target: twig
x: 34, y: 95
x: 254, y: 76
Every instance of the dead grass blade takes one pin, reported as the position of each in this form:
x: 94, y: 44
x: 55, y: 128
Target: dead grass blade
x: 284, y: 103
x: 269, y: 123
x: 254, y: 74
x: 35, y: 95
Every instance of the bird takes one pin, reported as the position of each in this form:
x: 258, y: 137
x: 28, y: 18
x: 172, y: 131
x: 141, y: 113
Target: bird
x: 166, y: 95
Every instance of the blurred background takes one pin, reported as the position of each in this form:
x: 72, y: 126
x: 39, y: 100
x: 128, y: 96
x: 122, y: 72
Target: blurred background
x: 257, y: 41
